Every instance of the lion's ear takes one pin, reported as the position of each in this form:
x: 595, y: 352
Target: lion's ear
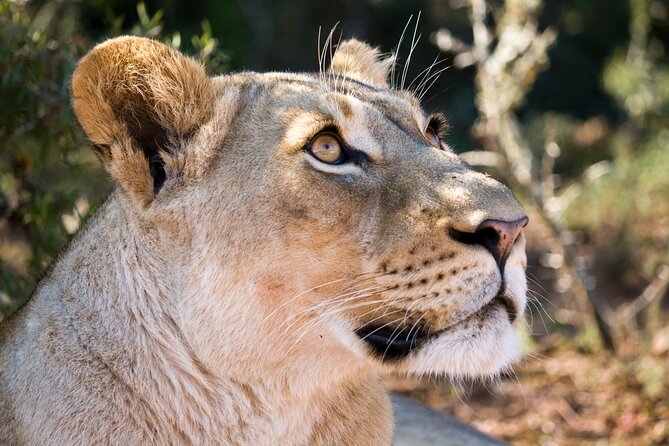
x: 138, y: 102
x: 360, y: 61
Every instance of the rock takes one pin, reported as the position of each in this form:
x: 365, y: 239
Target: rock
x: 418, y: 425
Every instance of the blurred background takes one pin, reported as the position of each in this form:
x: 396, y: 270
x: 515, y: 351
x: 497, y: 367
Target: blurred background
x: 567, y: 101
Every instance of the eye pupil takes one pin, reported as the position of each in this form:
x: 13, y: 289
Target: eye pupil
x: 326, y: 147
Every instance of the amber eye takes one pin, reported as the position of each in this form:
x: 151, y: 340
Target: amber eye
x: 432, y: 136
x: 327, y: 148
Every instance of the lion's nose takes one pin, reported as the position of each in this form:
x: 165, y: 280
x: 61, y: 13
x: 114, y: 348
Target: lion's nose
x: 497, y: 236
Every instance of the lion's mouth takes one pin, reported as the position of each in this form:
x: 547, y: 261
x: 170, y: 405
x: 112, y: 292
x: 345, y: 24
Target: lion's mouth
x: 393, y: 343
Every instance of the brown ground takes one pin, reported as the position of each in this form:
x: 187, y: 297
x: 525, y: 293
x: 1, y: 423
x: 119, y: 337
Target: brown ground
x: 565, y: 397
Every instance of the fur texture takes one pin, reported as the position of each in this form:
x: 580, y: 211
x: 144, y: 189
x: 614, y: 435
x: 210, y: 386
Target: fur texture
x: 217, y: 297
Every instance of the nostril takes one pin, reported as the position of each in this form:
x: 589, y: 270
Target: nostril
x: 497, y: 236
x: 490, y: 239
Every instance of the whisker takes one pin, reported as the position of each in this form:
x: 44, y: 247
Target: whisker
x: 540, y: 316
x: 387, y: 299
x: 354, y: 278
x: 531, y: 298
x: 393, y: 336
x: 538, y: 294
x: 397, y: 51
x: 415, y: 325
x: 414, y: 43
x: 340, y: 298
x: 379, y: 328
x: 396, y: 310
x: 535, y: 280
x: 514, y: 375
x: 389, y: 302
x: 435, y: 79
x: 437, y: 94
x: 423, y: 88
x: 358, y: 294
x: 326, y: 45
x: 307, y: 327
x: 318, y: 53
x: 424, y: 74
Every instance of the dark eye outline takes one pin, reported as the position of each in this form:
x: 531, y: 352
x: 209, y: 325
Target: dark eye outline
x: 437, y: 125
x: 348, y: 154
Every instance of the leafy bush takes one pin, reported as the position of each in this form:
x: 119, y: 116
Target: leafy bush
x: 630, y: 204
x: 44, y: 165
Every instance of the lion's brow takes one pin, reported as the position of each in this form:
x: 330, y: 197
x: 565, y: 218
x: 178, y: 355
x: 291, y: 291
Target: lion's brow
x: 335, y: 83
x: 371, y: 95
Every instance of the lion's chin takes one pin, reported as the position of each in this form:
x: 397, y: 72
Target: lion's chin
x: 474, y: 350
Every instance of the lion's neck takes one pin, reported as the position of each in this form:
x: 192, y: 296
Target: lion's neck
x: 193, y: 371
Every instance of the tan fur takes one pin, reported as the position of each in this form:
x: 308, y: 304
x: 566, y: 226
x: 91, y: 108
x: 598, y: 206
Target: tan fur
x: 128, y: 85
x: 222, y: 307
x: 356, y: 60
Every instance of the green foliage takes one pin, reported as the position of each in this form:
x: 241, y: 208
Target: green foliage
x: 631, y: 203
x: 204, y: 45
x: 39, y: 143
x: 640, y: 85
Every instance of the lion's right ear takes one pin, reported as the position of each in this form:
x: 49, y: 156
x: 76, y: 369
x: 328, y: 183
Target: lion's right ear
x: 138, y: 102
x: 362, y: 62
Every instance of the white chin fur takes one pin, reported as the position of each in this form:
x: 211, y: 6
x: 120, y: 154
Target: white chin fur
x: 467, y: 351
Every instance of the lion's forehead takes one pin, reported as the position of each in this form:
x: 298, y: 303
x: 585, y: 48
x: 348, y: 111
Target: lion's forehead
x: 318, y: 93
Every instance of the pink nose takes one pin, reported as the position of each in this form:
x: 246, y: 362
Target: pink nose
x: 498, y: 237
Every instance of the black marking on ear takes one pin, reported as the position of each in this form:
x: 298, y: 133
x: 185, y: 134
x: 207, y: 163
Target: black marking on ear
x: 157, y: 169
x: 149, y: 136
x: 152, y: 138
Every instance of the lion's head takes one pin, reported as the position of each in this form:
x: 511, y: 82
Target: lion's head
x: 312, y: 221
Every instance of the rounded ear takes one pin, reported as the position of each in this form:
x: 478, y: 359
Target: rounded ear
x: 361, y: 62
x: 138, y: 101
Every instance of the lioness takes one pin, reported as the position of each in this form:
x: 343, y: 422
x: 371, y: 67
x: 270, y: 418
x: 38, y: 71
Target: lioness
x: 275, y: 242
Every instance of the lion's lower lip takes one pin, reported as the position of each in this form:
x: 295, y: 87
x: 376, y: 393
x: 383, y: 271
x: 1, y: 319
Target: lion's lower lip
x: 391, y: 343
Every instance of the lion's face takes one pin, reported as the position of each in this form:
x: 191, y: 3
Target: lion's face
x: 328, y: 206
